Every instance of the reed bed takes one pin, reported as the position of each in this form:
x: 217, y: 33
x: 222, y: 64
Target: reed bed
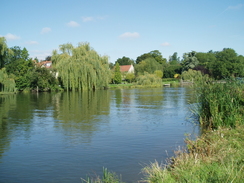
x: 220, y: 104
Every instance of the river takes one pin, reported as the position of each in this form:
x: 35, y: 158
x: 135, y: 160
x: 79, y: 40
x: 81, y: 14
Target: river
x: 63, y: 137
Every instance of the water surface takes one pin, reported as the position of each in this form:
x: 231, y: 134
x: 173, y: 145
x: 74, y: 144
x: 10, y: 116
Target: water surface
x: 62, y: 137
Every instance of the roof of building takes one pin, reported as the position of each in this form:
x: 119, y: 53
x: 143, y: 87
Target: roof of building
x: 47, y: 64
x: 125, y: 68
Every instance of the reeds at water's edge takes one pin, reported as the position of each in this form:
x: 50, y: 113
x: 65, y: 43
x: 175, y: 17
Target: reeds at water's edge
x: 220, y: 104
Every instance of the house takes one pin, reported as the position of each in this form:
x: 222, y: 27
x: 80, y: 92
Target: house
x: 127, y: 69
x: 47, y: 64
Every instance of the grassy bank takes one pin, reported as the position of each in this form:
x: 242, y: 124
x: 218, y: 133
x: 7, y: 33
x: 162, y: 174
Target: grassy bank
x: 131, y: 85
x: 216, y: 156
x: 173, y: 82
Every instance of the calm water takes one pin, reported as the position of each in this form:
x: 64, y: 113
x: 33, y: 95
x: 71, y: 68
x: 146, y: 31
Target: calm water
x: 62, y: 137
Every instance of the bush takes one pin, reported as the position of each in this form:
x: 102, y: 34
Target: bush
x: 149, y: 79
x: 192, y: 75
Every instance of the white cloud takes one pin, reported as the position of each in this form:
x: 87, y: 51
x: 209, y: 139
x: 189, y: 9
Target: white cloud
x: 11, y: 37
x: 87, y: 19
x: 239, y: 6
x: 45, y: 30
x: 165, y: 44
x: 73, y: 24
x: 130, y: 35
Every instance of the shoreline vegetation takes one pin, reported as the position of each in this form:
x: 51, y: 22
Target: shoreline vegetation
x: 217, y: 155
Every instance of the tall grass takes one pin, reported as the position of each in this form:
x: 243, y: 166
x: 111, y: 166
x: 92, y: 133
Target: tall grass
x: 215, y: 157
x: 220, y: 104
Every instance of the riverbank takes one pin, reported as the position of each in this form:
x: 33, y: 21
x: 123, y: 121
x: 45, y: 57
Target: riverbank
x: 218, y: 154
x: 168, y: 82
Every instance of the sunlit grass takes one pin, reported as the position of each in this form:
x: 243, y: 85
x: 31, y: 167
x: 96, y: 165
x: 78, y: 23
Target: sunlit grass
x: 216, y: 156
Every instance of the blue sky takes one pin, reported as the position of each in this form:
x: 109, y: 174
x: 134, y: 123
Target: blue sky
x: 120, y: 28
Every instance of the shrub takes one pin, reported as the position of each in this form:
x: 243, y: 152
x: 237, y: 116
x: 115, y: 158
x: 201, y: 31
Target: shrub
x: 149, y: 79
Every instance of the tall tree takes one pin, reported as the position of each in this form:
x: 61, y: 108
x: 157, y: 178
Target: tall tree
x: 117, y: 74
x: 81, y: 67
x: 227, y: 64
x: 4, y: 52
x: 152, y: 54
x: 21, y: 66
x: 7, y: 84
x: 189, y: 61
x: 125, y: 61
x: 149, y: 65
x: 174, y: 59
x: 43, y: 79
x: 158, y: 56
x: 48, y: 58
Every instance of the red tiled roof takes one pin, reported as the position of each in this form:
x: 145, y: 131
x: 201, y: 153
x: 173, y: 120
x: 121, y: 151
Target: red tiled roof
x: 47, y: 64
x: 125, y: 68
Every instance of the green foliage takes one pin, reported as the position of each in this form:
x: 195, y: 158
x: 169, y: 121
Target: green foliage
x: 111, y: 66
x: 189, y: 61
x: 5, y: 52
x: 158, y: 56
x: 222, y: 64
x: 158, y: 73
x: 220, y: 104
x: 48, y: 58
x: 125, y: 61
x: 149, y: 65
x: 227, y: 64
x: 205, y: 59
x: 149, y: 80
x: 7, y: 84
x: 191, y: 75
x: 171, y: 70
x: 130, y: 77
x: 21, y: 67
x: 43, y: 79
x: 153, y: 54
x: 174, y: 59
x: 117, y: 74
x: 81, y: 68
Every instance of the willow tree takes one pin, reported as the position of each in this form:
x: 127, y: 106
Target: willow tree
x: 81, y: 67
x: 7, y: 84
x: 4, y: 51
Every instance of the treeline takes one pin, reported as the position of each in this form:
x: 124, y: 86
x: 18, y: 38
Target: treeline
x: 217, y: 64
x: 82, y: 68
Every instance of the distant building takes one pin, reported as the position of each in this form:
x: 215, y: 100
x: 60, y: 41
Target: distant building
x: 47, y: 64
x: 127, y: 69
